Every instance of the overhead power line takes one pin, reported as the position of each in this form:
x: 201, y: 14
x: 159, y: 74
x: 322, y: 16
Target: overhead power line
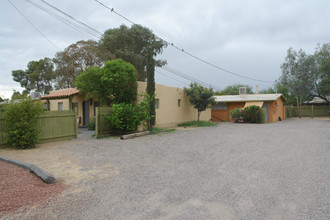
x: 171, y: 78
x: 186, y: 52
x: 21, y: 13
x: 66, y: 19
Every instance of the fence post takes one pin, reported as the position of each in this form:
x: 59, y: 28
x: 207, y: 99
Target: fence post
x: 97, y: 121
x: 76, y: 121
x: 312, y: 112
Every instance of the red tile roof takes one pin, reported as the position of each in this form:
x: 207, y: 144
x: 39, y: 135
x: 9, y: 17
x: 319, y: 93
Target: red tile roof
x: 62, y: 93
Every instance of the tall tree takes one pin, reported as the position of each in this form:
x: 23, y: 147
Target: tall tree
x: 298, y: 74
x: 151, y: 89
x: 234, y: 90
x: 39, y: 76
x: 133, y: 45
x: 113, y: 84
x: 322, y: 82
x: 75, y: 59
x: 199, y: 96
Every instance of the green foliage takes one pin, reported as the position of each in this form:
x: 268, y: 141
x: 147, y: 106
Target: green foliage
x: 112, y: 84
x: 133, y: 45
x: 75, y: 59
x: 199, y: 96
x: 250, y: 114
x: 151, y: 89
x: 21, y: 124
x: 127, y: 117
x: 124, y: 117
x: 322, y: 84
x: 91, y: 124
x: 234, y: 90
x: 39, y: 76
x: 237, y: 115
x: 197, y: 124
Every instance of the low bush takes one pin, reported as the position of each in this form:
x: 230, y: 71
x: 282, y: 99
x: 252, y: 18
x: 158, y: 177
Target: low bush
x: 124, y: 117
x: 21, y: 123
x: 250, y: 114
x: 237, y: 115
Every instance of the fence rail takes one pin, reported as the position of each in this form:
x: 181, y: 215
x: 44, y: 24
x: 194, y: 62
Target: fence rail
x: 308, y: 111
x: 55, y: 125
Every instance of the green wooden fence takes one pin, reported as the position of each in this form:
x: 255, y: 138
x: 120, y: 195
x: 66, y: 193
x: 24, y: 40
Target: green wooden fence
x: 55, y: 125
x: 308, y: 111
x: 101, y: 126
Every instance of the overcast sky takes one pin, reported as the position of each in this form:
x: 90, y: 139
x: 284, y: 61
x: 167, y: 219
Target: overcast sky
x: 249, y: 37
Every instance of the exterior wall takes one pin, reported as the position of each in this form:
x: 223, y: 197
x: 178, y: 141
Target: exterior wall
x: 224, y: 114
x: 276, y: 110
x: 53, y: 104
x: 169, y: 114
x: 79, y: 99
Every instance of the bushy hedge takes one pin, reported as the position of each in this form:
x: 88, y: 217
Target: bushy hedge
x: 21, y: 123
x: 250, y: 114
x: 128, y: 117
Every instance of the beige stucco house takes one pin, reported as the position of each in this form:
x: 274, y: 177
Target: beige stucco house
x: 172, y: 105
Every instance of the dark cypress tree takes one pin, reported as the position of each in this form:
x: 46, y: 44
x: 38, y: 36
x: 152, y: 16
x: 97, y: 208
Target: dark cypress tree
x: 151, y: 88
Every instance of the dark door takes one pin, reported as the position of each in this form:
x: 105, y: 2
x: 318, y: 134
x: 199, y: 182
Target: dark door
x: 85, y: 113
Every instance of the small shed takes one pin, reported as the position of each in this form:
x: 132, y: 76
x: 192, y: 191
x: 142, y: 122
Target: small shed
x: 273, y: 104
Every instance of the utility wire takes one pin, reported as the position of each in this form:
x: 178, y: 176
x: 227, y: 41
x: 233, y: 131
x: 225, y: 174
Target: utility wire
x: 192, y: 79
x: 188, y: 53
x: 85, y: 25
x: 171, y: 78
x: 68, y: 20
x: 97, y: 34
x: 21, y: 13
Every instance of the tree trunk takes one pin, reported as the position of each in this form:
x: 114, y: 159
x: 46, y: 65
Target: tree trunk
x: 199, y: 113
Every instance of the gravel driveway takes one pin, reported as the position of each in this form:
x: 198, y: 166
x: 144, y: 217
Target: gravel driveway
x: 231, y: 171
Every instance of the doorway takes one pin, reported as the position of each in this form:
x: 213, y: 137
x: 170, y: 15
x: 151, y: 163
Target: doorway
x: 85, y: 112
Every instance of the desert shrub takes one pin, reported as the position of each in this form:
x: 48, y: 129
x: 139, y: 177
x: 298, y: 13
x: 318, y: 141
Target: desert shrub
x: 237, y: 115
x: 252, y: 114
x: 21, y: 123
x: 91, y: 124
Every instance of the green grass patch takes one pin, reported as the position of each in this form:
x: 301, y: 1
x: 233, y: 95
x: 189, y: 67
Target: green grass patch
x: 161, y: 130
x: 197, y: 124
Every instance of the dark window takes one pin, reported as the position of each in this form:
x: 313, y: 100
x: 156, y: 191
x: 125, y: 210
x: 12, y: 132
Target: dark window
x: 219, y: 106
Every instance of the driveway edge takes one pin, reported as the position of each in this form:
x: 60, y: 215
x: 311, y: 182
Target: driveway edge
x: 46, y: 177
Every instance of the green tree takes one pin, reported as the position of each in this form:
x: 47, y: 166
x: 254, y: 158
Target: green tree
x: 38, y: 76
x: 322, y: 82
x: 75, y: 59
x: 133, y: 45
x: 21, y: 125
x: 234, y: 90
x: 199, y: 96
x: 298, y: 73
x: 113, y: 84
x: 269, y: 90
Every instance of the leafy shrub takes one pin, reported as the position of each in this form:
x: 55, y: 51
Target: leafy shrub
x: 237, y: 115
x: 128, y: 117
x: 252, y: 114
x: 124, y: 117
x: 21, y: 123
x: 91, y: 124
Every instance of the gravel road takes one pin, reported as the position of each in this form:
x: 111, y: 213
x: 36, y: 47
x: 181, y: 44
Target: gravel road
x: 231, y: 171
